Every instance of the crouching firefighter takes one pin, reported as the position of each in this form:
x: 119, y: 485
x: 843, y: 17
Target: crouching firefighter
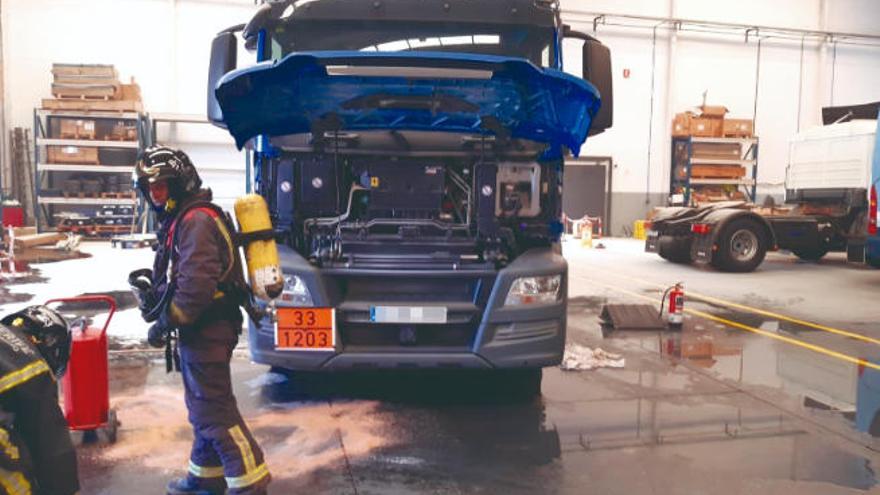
x: 192, y: 298
x: 36, y: 454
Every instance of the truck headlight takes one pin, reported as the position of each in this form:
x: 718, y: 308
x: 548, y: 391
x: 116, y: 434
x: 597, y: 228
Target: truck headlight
x: 534, y: 290
x: 295, y: 292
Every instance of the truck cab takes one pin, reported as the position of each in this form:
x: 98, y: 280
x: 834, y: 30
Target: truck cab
x: 411, y: 155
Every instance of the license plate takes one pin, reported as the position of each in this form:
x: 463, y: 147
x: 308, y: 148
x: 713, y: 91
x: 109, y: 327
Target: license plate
x: 305, y: 329
x: 653, y: 233
x: 408, y: 314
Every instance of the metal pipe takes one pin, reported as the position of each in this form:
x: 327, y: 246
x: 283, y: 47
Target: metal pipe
x: 800, y: 85
x: 757, y: 81
x: 604, y: 17
x: 651, y: 115
x: 833, y: 68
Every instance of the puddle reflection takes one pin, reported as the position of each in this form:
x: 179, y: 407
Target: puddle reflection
x: 816, y: 380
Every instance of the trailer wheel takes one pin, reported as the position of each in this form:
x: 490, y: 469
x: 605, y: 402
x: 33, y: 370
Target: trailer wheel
x: 811, y: 254
x: 742, y: 246
x: 675, y: 250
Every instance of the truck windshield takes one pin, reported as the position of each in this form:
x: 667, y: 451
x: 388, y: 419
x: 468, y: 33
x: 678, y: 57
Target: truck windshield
x: 529, y: 42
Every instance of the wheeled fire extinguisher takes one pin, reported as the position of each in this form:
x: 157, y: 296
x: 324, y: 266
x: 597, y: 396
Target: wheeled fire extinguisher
x: 86, y: 384
x: 675, y: 311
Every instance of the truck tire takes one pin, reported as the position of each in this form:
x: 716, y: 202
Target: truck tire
x: 815, y: 253
x: 519, y: 384
x: 675, y: 250
x: 742, y: 246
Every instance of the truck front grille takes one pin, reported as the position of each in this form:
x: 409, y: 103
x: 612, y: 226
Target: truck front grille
x: 464, y: 297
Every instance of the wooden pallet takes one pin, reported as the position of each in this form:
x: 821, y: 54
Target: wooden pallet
x: 81, y: 195
x: 81, y: 96
x: 85, y: 79
x: 93, y: 105
x: 118, y: 195
x: 85, y: 91
x: 112, y: 229
x: 84, y: 70
x: 132, y: 241
x: 122, y: 138
x: 717, y: 172
x: 28, y: 241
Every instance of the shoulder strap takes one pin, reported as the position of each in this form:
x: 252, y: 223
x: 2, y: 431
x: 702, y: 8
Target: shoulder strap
x: 215, y: 212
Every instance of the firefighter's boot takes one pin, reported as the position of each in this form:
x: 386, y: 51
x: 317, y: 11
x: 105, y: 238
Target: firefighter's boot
x: 197, y: 486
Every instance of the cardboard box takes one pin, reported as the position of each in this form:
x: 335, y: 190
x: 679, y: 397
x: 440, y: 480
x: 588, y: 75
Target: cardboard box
x: 707, y: 127
x: 73, y: 154
x: 713, y: 112
x: 130, y: 92
x: 724, y: 151
x: 122, y: 132
x: 739, y: 128
x: 681, y: 124
x: 77, y: 129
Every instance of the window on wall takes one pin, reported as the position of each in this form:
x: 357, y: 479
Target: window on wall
x: 529, y: 42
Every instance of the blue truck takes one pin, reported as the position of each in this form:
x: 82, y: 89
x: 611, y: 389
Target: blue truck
x: 831, y: 205
x: 411, y: 155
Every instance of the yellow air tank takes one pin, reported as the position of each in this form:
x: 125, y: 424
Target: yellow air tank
x: 264, y: 271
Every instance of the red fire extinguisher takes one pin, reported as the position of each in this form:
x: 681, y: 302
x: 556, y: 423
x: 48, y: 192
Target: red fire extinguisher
x: 675, y: 312
x: 85, y: 386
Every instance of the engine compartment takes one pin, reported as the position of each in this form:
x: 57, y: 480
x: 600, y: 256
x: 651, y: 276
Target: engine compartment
x: 343, y: 209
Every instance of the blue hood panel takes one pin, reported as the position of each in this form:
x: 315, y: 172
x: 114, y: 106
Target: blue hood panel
x: 296, y: 95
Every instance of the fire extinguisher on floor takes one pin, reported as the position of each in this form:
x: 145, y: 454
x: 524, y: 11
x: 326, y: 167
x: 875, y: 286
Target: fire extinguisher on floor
x: 675, y: 311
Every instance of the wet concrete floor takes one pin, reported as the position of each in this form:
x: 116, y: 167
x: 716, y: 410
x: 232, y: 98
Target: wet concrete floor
x: 705, y: 409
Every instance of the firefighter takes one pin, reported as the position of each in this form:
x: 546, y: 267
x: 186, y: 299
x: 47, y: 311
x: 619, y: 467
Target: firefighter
x: 192, y: 298
x: 36, y: 454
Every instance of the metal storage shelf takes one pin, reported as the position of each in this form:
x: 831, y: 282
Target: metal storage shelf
x: 87, y: 143
x: 719, y: 161
x: 87, y: 114
x: 682, y: 181
x: 751, y: 140
x: 50, y: 175
x: 737, y: 182
x: 86, y: 201
x: 61, y: 167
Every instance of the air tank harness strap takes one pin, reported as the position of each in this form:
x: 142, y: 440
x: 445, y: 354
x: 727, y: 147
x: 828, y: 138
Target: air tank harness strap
x: 172, y: 353
x: 245, y: 238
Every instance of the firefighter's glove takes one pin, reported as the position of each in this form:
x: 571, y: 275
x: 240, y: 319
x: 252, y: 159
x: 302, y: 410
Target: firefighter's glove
x: 157, y: 335
x: 160, y: 331
x: 141, y: 283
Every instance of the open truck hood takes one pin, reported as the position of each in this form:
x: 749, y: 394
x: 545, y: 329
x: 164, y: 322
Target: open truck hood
x: 348, y: 91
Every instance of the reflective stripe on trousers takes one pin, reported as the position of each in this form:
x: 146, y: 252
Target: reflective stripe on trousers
x: 220, y: 435
x: 14, y: 483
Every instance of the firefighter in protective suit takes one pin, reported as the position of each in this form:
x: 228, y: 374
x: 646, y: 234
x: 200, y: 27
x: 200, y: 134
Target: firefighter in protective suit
x: 36, y: 454
x: 192, y: 298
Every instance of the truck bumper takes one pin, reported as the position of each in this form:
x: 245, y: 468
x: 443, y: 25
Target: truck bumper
x: 481, y: 332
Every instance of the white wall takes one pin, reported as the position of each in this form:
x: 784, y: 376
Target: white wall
x: 163, y: 44
x: 688, y: 64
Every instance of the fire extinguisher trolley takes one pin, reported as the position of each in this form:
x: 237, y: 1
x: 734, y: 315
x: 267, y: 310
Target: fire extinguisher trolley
x: 86, y: 385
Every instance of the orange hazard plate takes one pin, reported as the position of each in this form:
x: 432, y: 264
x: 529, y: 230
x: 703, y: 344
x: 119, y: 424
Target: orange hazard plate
x: 305, y: 329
